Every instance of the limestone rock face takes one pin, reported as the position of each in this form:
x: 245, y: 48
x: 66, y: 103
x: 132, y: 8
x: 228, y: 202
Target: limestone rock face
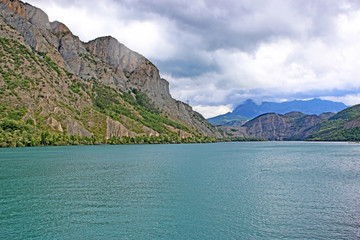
x: 17, y: 8
x: 116, y: 129
x: 150, y: 132
x: 181, y: 133
x: 33, y: 24
x: 55, y: 124
x: 32, y: 14
x: 37, y: 17
x: 74, y: 127
x: 132, y: 70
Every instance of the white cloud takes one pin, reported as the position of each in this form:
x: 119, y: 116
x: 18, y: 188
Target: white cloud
x: 350, y: 99
x: 278, y: 68
x: 212, y: 111
x: 288, y: 66
x: 206, y: 88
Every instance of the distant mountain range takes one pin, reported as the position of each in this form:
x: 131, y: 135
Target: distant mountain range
x: 343, y: 126
x: 249, y: 109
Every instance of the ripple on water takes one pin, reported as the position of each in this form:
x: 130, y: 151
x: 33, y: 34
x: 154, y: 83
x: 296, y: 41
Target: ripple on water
x: 270, y: 190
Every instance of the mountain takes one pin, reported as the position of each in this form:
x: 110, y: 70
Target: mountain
x: 249, y: 109
x: 343, y: 126
x: 273, y: 126
x: 315, y: 106
x: 56, y: 89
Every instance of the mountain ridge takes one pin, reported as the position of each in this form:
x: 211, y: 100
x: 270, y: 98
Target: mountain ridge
x: 96, y: 89
x: 343, y: 126
x: 249, y: 110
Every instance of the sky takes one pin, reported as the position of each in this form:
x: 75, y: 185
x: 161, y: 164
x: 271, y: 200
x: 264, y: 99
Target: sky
x: 216, y: 54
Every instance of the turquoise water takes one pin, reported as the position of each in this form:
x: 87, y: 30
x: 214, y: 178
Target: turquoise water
x: 251, y: 190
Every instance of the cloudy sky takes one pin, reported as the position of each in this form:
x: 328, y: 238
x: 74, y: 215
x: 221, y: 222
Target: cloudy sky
x: 216, y: 54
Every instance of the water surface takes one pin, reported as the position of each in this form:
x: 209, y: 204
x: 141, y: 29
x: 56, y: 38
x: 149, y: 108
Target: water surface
x: 249, y: 190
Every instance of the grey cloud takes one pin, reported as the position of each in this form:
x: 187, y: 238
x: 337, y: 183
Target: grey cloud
x: 242, y: 24
x: 237, y: 24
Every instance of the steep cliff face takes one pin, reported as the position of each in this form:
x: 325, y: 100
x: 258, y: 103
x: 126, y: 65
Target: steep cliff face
x: 74, y: 67
x: 131, y: 69
x: 274, y: 126
x: 33, y: 25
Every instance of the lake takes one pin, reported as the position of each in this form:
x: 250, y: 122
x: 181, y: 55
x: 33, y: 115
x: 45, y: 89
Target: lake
x: 244, y: 190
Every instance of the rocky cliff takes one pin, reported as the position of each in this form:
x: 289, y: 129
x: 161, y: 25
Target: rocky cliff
x: 69, y: 81
x: 274, y: 126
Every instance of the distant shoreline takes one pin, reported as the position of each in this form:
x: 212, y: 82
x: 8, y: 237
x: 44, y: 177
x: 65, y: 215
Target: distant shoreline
x: 133, y: 141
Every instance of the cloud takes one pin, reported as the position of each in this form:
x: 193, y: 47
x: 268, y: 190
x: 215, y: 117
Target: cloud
x: 283, y: 67
x: 219, y: 53
x: 349, y: 100
x: 279, y: 68
x: 212, y: 111
x: 193, y: 25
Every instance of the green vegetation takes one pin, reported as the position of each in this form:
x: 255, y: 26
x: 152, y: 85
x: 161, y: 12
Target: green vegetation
x: 135, y: 105
x: 352, y: 134
x: 333, y: 129
x: 201, y: 119
x: 20, y: 133
x: 17, y: 132
x: 150, y: 114
x: 27, y: 69
x: 13, y: 55
x: 241, y: 139
x: 347, y: 114
x: 142, y: 100
x: 107, y: 101
x: 14, y: 131
x: 77, y: 87
x: 52, y: 65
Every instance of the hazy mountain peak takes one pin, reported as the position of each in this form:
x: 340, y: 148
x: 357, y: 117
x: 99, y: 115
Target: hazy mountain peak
x: 313, y: 106
x: 249, y: 109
